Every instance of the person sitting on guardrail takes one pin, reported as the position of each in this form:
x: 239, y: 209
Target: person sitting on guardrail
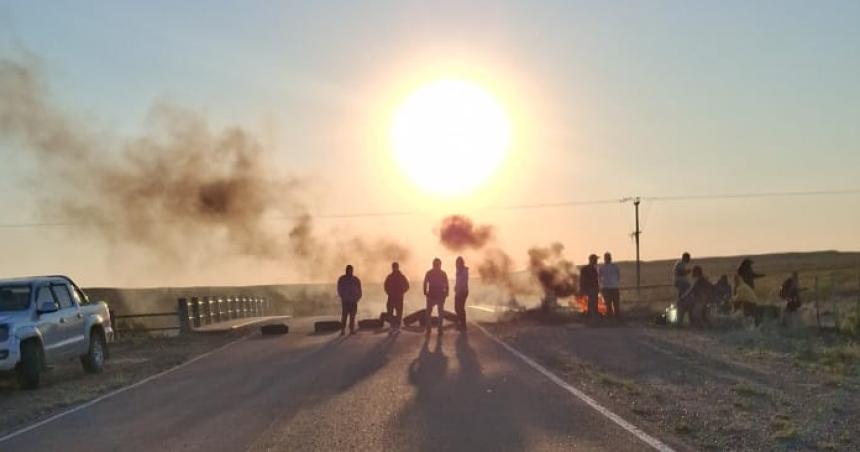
x: 396, y: 285
x: 610, y: 279
x: 349, y: 291
x: 435, y: 288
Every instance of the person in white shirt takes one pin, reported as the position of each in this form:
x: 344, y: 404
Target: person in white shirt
x: 610, y: 279
x: 680, y: 272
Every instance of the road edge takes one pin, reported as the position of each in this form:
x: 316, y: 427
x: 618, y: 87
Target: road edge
x: 606, y: 412
x: 136, y: 384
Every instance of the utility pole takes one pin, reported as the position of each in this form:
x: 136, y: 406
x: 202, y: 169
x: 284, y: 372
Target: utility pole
x: 636, y: 234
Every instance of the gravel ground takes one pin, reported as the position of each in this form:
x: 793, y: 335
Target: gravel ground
x: 728, y: 389
x: 131, y: 360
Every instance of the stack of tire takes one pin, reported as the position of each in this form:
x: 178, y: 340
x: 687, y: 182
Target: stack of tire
x: 327, y: 326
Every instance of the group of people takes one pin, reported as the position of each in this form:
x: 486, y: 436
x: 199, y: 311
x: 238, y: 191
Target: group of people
x: 603, y: 279
x: 435, y: 288
x: 696, y: 293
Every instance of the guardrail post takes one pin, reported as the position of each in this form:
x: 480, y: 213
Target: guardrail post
x: 182, y: 312
x: 244, y: 307
x: 256, y: 307
x: 195, y: 312
x: 207, y: 311
x: 220, y: 303
x: 230, y: 314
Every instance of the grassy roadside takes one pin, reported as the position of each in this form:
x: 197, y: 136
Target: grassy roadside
x: 132, y: 359
x: 732, y: 389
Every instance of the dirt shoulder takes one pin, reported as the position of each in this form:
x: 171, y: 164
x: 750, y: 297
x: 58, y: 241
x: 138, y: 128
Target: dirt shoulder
x: 736, y: 389
x: 131, y: 360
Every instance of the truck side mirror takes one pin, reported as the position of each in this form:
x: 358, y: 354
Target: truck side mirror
x: 48, y: 307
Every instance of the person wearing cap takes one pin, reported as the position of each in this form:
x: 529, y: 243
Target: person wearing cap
x: 349, y: 291
x: 589, y: 284
x: 435, y: 288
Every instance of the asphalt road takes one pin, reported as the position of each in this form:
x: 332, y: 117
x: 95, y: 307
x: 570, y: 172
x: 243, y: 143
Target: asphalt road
x: 369, y: 391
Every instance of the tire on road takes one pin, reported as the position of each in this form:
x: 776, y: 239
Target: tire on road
x: 327, y: 326
x: 94, y: 360
x: 434, y: 321
x: 29, y: 371
x: 274, y: 328
x: 417, y: 316
x: 370, y: 324
x: 449, y: 316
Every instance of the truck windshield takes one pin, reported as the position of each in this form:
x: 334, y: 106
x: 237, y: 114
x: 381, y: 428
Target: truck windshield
x: 14, y: 298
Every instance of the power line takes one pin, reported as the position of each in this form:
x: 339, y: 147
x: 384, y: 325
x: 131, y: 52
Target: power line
x: 527, y: 206
x: 783, y: 194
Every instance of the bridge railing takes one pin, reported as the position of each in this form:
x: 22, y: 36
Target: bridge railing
x: 193, y: 313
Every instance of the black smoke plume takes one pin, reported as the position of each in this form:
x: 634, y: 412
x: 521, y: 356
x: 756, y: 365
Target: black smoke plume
x: 458, y: 232
x: 182, y: 192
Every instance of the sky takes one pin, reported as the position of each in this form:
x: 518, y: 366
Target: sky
x: 607, y: 100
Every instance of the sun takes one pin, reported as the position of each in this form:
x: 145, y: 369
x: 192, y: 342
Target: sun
x: 450, y: 136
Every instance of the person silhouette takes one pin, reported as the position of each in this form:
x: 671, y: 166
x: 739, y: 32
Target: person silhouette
x: 436, y: 291
x: 461, y: 292
x: 349, y: 291
x: 396, y: 285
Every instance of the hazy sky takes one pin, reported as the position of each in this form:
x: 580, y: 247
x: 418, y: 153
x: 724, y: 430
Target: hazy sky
x: 607, y: 100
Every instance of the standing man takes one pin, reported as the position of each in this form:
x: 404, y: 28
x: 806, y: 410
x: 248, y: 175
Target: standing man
x: 610, y: 279
x: 461, y: 292
x: 349, y: 291
x: 589, y: 284
x: 436, y: 290
x: 680, y: 272
x: 396, y: 286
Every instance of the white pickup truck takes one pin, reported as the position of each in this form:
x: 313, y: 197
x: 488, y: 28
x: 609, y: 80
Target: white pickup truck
x: 48, y: 319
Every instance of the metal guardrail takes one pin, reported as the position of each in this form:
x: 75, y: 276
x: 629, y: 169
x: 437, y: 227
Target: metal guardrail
x: 196, y: 312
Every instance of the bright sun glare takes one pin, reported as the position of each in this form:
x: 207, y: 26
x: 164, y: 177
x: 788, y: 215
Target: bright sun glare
x: 450, y: 136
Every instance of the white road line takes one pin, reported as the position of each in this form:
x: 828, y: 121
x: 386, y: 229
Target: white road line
x: 482, y: 308
x: 117, y: 391
x: 646, y: 438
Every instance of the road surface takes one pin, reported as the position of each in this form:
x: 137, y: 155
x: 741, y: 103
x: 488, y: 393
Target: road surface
x: 369, y: 391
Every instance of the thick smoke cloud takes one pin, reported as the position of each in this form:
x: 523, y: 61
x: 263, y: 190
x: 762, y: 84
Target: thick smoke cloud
x: 556, y: 275
x: 183, y: 191
x: 458, y: 232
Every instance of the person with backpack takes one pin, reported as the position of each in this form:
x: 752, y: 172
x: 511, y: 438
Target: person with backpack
x: 349, y: 291
x: 435, y: 288
x: 790, y: 292
x: 396, y: 285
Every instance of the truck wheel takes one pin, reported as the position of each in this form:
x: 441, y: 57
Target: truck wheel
x: 94, y: 360
x: 30, y: 367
